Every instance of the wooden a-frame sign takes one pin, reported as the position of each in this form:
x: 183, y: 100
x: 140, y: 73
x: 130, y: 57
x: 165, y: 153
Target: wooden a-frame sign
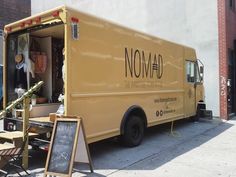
x: 68, y: 145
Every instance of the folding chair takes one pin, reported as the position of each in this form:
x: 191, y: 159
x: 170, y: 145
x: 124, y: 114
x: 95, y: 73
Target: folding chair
x: 13, y: 158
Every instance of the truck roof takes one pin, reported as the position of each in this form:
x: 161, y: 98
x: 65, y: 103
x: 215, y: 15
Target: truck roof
x: 34, y: 20
x: 54, y: 14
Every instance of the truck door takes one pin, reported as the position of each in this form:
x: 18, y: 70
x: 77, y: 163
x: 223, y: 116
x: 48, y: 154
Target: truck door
x: 190, y: 89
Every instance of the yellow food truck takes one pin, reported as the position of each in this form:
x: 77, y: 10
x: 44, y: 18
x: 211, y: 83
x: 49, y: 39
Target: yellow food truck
x: 119, y: 80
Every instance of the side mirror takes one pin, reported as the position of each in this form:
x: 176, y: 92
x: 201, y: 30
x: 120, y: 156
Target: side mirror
x: 201, y: 69
x: 201, y: 78
x: 201, y: 72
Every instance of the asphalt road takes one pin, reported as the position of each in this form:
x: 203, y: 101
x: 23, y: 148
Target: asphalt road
x: 205, y: 149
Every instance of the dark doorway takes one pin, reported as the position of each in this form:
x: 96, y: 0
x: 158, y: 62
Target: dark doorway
x: 231, y: 82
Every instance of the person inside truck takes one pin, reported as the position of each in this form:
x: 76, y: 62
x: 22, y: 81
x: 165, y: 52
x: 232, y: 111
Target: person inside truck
x: 63, y: 66
x: 20, y: 74
x: 61, y: 109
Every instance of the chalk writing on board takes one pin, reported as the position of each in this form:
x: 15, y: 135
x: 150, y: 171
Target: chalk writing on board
x: 62, y: 147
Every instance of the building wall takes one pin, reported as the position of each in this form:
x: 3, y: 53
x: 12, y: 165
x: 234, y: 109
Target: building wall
x: 1, y: 52
x: 230, y: 25
x: 10, y: 11
x: 222, y: 58
x: 190, y: 22
x: 227, y: 35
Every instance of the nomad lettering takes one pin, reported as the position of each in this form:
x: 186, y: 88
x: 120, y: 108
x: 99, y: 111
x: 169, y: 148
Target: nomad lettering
x: 141, y: 65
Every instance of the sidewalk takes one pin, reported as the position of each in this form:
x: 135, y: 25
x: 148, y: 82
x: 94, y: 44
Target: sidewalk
x: 211, y: 153
x: 202, y: 149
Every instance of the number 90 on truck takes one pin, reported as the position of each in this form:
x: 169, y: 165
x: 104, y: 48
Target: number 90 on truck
x: 119, y: 80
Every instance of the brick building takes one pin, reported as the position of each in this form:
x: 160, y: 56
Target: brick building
x: 227, y: 51
x: 10, y: 11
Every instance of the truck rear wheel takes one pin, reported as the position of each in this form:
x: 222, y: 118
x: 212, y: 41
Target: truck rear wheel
x: 133, y: 132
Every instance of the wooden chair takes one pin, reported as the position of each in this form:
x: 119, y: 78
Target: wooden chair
x: 12, y: 158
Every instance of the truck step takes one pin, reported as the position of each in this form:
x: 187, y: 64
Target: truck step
x: 206, y: 114
x: 40, y: 144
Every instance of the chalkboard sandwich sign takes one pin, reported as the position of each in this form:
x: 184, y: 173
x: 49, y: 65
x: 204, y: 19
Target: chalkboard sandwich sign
x: 68, y: 144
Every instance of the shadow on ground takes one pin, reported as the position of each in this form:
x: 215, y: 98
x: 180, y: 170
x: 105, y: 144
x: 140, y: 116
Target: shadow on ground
x: 109, y: 156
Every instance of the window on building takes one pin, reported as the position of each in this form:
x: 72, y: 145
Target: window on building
x: 232, y: 4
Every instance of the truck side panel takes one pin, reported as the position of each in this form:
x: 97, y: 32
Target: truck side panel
x: 111, y: 68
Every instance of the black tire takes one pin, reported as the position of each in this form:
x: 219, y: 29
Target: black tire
x: 133, y: 132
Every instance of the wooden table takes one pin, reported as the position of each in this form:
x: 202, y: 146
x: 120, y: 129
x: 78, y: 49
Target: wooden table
x: 6, y: 146
x: 41, y: 119
x: 14, y: 137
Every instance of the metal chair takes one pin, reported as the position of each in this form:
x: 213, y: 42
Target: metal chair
x: 13, y: 157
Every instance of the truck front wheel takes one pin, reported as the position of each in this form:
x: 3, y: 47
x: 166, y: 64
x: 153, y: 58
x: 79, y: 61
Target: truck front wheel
x: 133, y: 132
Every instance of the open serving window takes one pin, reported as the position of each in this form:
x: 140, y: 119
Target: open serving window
x: 33, y: 55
